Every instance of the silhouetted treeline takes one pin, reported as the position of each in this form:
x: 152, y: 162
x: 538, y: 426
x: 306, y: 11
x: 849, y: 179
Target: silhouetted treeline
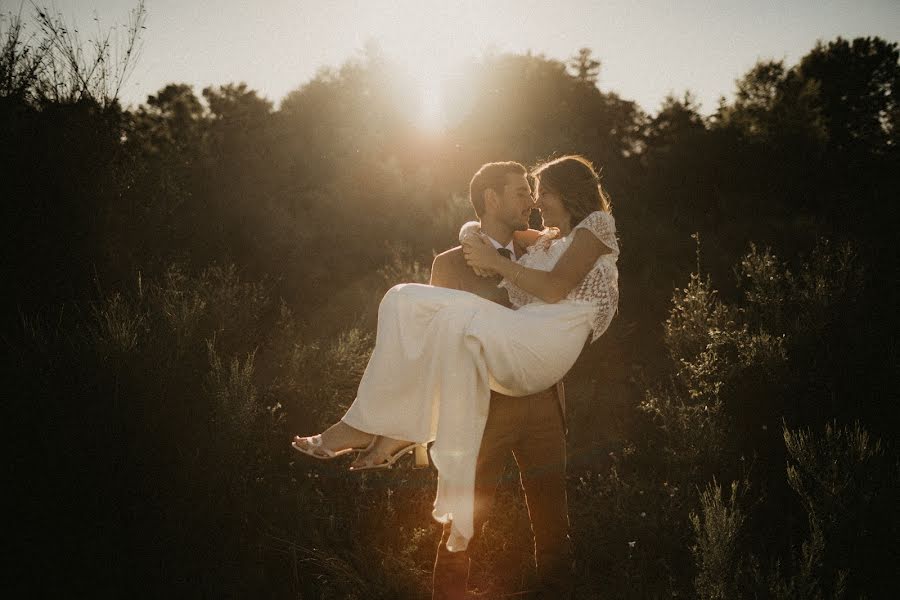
x: 189, y: 282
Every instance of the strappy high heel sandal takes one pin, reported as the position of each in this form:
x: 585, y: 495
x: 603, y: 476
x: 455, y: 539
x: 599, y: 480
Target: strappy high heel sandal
x: 315, y: 448
x: 421, y: 458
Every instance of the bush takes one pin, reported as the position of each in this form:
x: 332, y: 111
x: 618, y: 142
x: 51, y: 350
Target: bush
x: 722, y: 572
x: 843, y: 481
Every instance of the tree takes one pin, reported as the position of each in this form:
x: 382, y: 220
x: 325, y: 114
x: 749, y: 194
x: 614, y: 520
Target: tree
x: 757, y: 94
x: 236, y: 103
x: 774, y: 104
x: 585, y: 67
x: 174, y: 116
x: 676, y: 120
x: 858, y: 84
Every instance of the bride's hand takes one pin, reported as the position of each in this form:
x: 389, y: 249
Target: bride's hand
x: 472, y: 229
x: 480, y: 255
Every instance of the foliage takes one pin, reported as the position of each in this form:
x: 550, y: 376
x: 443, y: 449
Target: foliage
x: 586, y: 68
x: 858, y: 82
x: 718, y: 549
x: 55, y: 65
x: 838, y: 478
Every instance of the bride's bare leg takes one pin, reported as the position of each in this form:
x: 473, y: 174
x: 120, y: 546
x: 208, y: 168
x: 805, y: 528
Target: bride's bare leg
x: 383, y: 448
x: 340, y: 436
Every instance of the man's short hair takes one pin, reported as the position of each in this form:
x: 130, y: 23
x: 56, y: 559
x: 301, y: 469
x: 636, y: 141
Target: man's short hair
x: 491, y: 176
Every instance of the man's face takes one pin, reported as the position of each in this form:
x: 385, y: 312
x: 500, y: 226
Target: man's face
x: 515, y: 203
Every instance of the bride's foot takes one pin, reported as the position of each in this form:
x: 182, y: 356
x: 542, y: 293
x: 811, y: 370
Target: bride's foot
x: 337, y: 440
x: 383, y: 454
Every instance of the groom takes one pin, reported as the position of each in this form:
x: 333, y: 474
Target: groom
x: 532, y: 427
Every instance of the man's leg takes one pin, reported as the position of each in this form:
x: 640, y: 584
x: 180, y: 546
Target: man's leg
x: 541, y: 456
x: 451, y: 569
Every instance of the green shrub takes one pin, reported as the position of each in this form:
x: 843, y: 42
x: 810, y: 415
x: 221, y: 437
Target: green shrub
x: 719, y: 549
x: 839, y: 477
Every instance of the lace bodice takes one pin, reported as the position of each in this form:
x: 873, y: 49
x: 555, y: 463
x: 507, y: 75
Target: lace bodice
x: 600, y: 286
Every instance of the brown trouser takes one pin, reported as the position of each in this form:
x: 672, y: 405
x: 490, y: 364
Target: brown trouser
x: 532, y: 429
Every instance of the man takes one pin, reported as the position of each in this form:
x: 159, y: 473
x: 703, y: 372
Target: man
x: 531, y: 427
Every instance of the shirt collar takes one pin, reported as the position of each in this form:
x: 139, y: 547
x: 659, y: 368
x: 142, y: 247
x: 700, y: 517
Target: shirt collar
x: 497, y: 245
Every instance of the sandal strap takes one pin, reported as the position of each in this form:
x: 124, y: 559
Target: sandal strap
x: 316, y: 446
x: 383, y: 457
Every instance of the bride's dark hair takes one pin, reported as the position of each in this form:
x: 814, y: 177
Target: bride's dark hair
x: 574, y: 178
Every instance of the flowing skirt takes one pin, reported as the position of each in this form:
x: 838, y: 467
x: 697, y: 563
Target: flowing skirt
x: 438, y: 353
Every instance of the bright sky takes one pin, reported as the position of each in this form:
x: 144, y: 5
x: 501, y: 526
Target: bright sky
x: 648, y: 48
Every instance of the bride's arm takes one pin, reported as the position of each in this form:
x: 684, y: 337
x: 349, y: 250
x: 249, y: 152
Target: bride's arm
x: 550, y: 286
x: 526, y: 238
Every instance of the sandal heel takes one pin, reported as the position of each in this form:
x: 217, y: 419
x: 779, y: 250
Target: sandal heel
x: 421, y: 458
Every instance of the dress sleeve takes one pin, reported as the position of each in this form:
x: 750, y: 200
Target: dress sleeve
x: 603, y: 226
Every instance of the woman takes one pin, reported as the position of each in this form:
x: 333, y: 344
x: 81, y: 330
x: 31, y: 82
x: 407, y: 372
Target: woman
x: 439, y: 352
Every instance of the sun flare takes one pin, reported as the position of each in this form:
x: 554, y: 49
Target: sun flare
x: 431, y: 114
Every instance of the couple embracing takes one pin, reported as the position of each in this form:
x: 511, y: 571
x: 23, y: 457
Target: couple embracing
x: 472, y: 362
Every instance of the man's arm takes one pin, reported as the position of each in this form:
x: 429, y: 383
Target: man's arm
x: 441, y: 273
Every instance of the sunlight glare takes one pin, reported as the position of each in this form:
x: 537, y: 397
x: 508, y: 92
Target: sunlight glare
x: 431, y: 115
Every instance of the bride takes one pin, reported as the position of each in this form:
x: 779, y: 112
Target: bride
x: 438, y: 352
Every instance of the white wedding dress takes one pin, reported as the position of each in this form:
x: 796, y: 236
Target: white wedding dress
x: 438, y: 353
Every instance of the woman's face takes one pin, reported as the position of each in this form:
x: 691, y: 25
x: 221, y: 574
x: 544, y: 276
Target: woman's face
x: 553, y: 212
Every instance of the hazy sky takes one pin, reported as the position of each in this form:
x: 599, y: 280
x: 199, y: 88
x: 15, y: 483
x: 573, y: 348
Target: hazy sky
x: 649, y: 48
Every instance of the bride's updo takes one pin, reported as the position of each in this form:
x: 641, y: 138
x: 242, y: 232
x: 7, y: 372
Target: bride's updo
x: 574, y: 178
